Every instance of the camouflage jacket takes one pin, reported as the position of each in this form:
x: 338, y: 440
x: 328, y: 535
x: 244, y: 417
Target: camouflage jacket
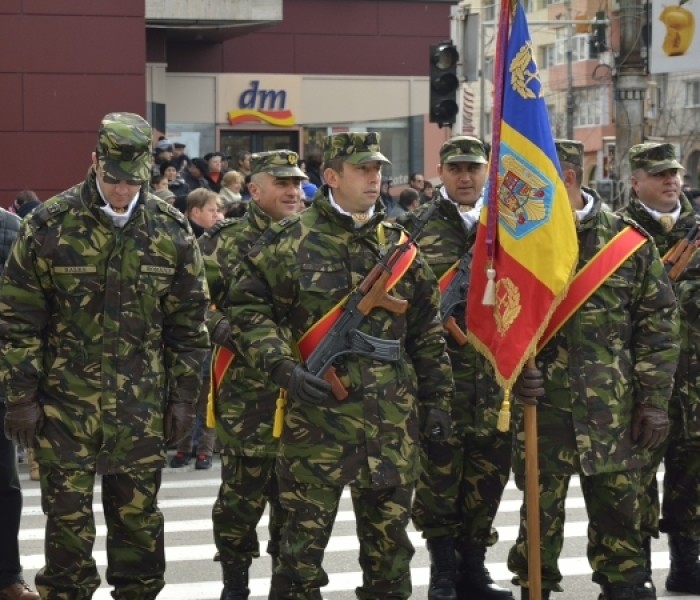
x: 297, y: 272
x: 618, y: 350
x: 685, y: 402
x: 443, y: 241
x: 245, y: 402
x: 99, y: 322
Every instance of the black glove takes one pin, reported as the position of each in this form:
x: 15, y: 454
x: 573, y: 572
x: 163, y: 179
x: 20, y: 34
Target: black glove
x: 650, y: 426
x: 178, y: 421
x: 438, y: 425
x: 300, y: 384
x: 221, y: 334
x: 529, y: 386
x: 23, y: 421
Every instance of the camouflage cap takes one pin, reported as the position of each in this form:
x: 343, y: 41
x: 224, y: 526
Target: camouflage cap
x: 463, y: 148
x: 355, y: 148
x: 124, y: 147
x: 570, y: 151
x: 279, y: 163
x: 653, y: 157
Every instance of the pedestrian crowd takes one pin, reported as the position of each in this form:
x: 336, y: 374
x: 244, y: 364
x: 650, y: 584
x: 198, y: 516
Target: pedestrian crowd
x: 281, y: 314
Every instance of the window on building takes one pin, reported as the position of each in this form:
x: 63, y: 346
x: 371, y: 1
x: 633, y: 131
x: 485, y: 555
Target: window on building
x: 591, y: 107
x: 552, y: 113
x: 547, y: 55
x: 546, y: 3
x: 488, y: 118
x: 395, y: 143
x: 490, y: 10
x: 692, y: 93
x: 488, y: 67
x: 580, y: 48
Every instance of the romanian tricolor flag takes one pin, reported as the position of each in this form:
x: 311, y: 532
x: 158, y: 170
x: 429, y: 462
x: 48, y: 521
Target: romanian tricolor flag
x: 526, y: 247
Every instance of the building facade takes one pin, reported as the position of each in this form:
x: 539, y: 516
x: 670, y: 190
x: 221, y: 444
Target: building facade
x: 220, y: 75
x: 581, y: 83
x: 262, y: 74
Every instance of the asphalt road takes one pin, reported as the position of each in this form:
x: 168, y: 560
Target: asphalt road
x: 187, y: 497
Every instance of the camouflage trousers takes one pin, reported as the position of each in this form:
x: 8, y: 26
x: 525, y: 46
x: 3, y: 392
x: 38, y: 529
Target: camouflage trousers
x: 135, y: 543
x: 385, y: 550
x: 247, y: 485
x: 680, y: 512
x: 614, y: 540
x: 461, y: 486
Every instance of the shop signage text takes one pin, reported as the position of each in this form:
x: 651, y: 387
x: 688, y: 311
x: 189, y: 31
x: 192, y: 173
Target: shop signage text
x: 256, y: 104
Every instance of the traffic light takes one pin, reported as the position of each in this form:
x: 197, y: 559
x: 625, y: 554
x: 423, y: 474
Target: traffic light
x: 443, y: 84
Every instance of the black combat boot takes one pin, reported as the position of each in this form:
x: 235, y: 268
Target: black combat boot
x: 443, y: 569
x: 525, y: 594
x: 235, y: 582
x: 474, y: 580
x: 684, y: 575
x: 646, y: 590
x: 618, y: 591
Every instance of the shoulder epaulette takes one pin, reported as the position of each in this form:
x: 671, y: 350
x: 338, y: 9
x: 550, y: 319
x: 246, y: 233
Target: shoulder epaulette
x: 172, y: 212
x: 49, y: 210
x: 632, y: 223
x: 219, y: 225
x: 270, y: 234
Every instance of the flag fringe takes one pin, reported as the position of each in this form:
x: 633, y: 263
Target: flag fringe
x: 531, y: 349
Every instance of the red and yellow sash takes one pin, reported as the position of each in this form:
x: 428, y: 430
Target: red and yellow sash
x: 221, y: 360
x: 608, y: 259
x: 447, y: 277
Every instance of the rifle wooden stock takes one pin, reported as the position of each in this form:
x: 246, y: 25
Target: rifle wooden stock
x: 455, y: 331
x: 377, y: 296
x: 677, y: 258
x: 681, y: 263
x: 671, y: 257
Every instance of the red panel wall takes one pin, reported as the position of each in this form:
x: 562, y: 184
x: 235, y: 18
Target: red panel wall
x: 341, y: 37
x: 64, y: 65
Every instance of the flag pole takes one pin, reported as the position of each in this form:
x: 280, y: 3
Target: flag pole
x: 532, y: 484
x: 532, y: 499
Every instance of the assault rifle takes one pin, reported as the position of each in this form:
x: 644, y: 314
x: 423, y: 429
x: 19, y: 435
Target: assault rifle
x: 678, y: 257
x: 455, y: 297
x: 344, y: 336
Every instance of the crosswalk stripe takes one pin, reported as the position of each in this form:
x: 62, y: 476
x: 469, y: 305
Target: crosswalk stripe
x: 506, y: 506
x: 192, y: 574
x: 506, y: 533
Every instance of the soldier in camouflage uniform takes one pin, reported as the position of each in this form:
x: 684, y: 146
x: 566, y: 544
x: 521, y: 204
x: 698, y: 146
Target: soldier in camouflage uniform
x: 102, y: 334
x: 246, y: 398
x: 12, y: 584
x: 293, y: 276
x: 608, y: 374
x: 458, y: 494
x: 659, y: 206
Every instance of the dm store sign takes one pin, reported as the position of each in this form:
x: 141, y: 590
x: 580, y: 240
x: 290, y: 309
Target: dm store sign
x: 256, y: 104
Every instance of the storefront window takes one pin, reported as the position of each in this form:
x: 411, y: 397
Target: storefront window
x: 395, y: 144
x: 199, y: 138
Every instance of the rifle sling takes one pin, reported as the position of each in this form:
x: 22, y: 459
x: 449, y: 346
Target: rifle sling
x: 313, y: 336
x: 606, y: 261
